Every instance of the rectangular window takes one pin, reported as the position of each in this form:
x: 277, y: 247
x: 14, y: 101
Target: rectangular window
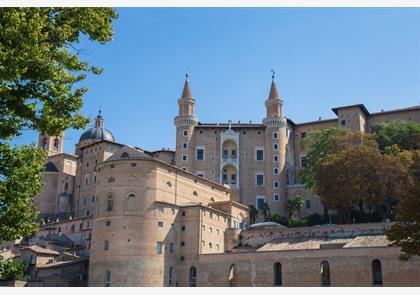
x: 308, y: 204
x: 109, y: 205
x: 160, y: 224
x: 259, y: 154
x: 275, y: 135
x: 87, y: 179
x: 72, y: 228
x: 183, y: 213
x: 185, y: 132
x: 260, y: 202
x: 260, y: 179
x: 107, y: 278
x: 183, y: 228
x: 81, y: 226
x: 276, y: 197
x: 106, y: 245
x: 225, y: 153
x: 171, y: 248
x: 184, y: 157
x: 159, y: 247
x: 182, y: 258
x: 276, y: 171
x: 185, y: 145
x: 275, y: 146
x: 276, y: 184
x: 233, y: 178
x: 275, y: 158
x: 343, y: 122
x: 161, y: 210
x: 233, y: 152
x: 108, y: 223
x: 200, y: 154
x: 302, y: 135
x: 182, y: 244
x: 184, y: 168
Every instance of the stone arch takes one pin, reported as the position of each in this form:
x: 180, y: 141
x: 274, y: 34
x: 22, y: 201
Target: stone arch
x: 230, y: 149
x: 377, y: 273
x: 277, y: 274
x: 230, y: 174
x: 192, y: 280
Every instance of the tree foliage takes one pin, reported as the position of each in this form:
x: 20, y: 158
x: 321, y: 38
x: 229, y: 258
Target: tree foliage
x: 404, y: 134
x: 12, y: 270
x: 40, y: 66
x: 293, y: 206
x: 406, y: 231
x: 21, y: 170
x: 265, y: 211
x: 253, y: 213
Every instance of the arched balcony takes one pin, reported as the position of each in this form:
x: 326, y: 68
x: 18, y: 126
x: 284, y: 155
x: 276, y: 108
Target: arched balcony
x: 230, y: 175
x: 230, y: 150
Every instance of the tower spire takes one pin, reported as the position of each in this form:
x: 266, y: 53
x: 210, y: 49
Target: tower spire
x: 99, y: 122
x: 274, y: 93
x: 186, y: 92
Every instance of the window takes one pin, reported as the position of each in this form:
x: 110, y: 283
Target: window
x: 160, y: 224
x: 182, y: 258
x: 200, y: 173
x: 193, y: 277
x: 106, y: 245
x: 185, y: 145
x: 210, y: 229
x: 108, y: 223
x: 171, y: 269
x: 159, y: 247
x: 81, y: 226
x: 260, y: 202
x: 87, y: 164
x: 87, y: 213
x: 182, y: 244
x: 278, y: 279
x: 93, y: 199
x: 111, y: 179
x: 275, y: 135
x: 200, y: 154
x: 302, y: 135
x: 183, y: 228
x: 276, y: 184
x: 131, y: 195
x: 325, y: 274
x: 210, y: 245
x: 109, y: 204
x: 172, y: 225
x: 87, y: 179
x: 171, y: 248
x: 343, y: 122
x: 107, y: 278
x: 133, y: 164
x: 259, y: 179
x: 275, y: 158
x: 184, y: 168
x: 217, y: 231
x: 276, y: 197
x: 276, y: 171
x: 308, y: 204
x: 183, y: 213
x: 233, y: 273
x: 84, y: 201
x: 377, y: 273
x: 66, y: 186
x: 185, y: 132
x: 72, y: 228
x: 203, y: 244
x: 225, y: 153
x: 275, y: 146
x: 259, y: 154
x: 125, y: 155
x: 184, y: 157
x: 161, y: 209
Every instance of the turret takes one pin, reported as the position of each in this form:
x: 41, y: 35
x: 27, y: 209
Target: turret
x: 53, y: 144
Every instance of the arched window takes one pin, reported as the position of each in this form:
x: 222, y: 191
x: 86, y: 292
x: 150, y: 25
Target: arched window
x: 56, y: 143
x: 193, y: 277
x: 278, y: 277
x: 109, y: 204
x: 325, y: 274
x: 125, y: 155
x: 232, y: 275
x: 377, y: 273
x: 131, y: 195
x: 44, y: 143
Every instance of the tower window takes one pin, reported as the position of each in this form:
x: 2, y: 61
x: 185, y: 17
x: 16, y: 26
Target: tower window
x: 275, y: 146
x: 185, y: 145
x: 260, y: 202
x: 107, y: 278
x: 278, y: 280
x: 171, y: 248
x: 276, y: 197
x: 275, y: 135
x: 275, y: 158
x: 106, y: 245
x: 276, y: 184
x: 109, y: 204
x: 185, y: 132
x: 260, y: 179
x: 160, y: 224
x: 184, y: 157
x: 276, y: 171
x: 259, y: 154
x: 200, y: 154
x: 159, y: 247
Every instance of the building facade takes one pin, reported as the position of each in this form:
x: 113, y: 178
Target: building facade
x: 180, y: 218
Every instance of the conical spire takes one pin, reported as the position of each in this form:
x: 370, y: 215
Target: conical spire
x: 274, y: 93
x: 186, y: 92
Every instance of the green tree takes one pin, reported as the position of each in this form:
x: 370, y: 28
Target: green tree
x: 293, y: 206
x: 404, y: 134
x: 40, y: 68
x: 406, y: 231
x: 253, y: 213
x: 265, y: 211
x: 12, y: 270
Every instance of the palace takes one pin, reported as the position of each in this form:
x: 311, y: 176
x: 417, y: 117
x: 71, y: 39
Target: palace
x: 131, y: 217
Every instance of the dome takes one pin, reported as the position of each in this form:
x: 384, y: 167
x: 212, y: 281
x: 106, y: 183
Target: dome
x: 98, y: 132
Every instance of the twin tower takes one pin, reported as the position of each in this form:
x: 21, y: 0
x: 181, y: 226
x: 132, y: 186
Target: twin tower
x: 250, y: 158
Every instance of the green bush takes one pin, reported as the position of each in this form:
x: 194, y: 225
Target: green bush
x: 313, y: 219
x: 12, y: 270
x: 296, y: 223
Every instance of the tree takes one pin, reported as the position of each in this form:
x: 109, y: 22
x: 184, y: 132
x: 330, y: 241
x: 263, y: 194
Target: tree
x: 404, y: 134
x: 40, y: 67
x: 358, y: 176
x: 253, y: 213
x: 406, y: 231
x: 12, y: 270
x: 293, y: 206
x: 265, y: 210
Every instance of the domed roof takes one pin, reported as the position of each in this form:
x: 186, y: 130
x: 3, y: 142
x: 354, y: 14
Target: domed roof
x: 98, y: 132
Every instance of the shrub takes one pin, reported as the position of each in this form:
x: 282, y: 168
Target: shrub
x: 12, y: 270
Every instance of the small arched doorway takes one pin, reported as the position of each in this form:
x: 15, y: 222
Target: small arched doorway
x: 278, y: 276
x: 193, y: 277
x: 325, y: 274
x: 377, y: 273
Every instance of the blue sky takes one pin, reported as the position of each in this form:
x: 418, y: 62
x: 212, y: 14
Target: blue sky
x: 323, y: 57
